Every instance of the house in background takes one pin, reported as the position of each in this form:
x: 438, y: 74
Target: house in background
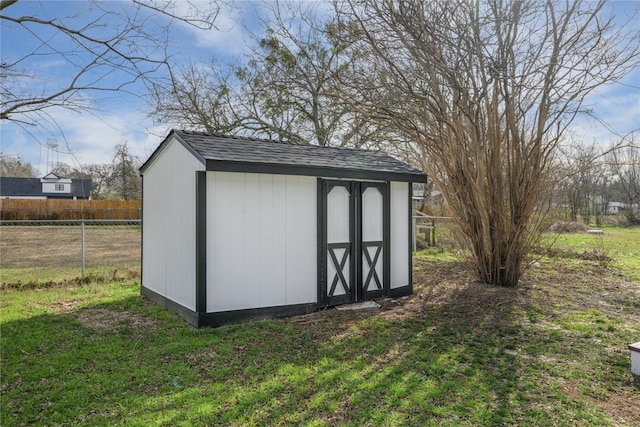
x: 614, y: 208
x: 236, y: 228
x: 50, y: 186
x: 618, y: 208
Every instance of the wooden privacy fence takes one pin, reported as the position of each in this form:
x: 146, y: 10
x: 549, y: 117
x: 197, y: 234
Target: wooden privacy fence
x: 60, y: 209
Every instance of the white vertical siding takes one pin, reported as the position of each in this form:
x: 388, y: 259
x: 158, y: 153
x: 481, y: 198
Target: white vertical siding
x: 301, y: 239
x: 400, y: 254
x: 168, y: 225
x: 261, y: 240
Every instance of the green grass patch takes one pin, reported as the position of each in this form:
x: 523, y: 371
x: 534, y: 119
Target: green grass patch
x: 439, y: 253
x: 30, y: 278
x: 457, y: 353
x: 620, y: 247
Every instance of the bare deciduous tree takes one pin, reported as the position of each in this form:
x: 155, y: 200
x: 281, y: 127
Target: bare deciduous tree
x: 487, y: 88
x: 106, y: 47
x: 124, y: 181
x: 15, y: 166
x: 289, y: 73
x: 99, y: 174
x: 579, y: 173
x: 198, y: 97
x: 282, y: 89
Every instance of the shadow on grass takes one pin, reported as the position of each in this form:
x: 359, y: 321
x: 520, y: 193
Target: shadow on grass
x: 128, y: 361
x: 441, y: 358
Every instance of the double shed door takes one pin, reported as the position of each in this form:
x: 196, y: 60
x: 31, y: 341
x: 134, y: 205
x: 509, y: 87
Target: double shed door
x: 354, y: 241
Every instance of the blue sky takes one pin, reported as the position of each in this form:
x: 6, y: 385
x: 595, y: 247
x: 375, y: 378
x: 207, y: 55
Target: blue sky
x: 90, y: 137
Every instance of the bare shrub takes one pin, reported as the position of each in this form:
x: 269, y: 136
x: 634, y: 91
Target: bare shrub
x: 487, y: 90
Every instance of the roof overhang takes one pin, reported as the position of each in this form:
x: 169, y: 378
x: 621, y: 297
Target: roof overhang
x: 325, y: 172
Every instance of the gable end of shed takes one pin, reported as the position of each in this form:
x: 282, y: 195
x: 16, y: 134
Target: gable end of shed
x: 160, y: 150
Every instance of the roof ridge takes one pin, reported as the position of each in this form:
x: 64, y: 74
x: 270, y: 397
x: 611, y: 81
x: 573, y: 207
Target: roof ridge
x: 277, y: 141
x: 245, y: 138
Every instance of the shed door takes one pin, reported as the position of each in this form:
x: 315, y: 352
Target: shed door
x: 374, y: 240
x: 354, y: 241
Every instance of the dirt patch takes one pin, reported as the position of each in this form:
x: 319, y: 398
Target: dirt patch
x: 101, y: 319
x: 622, y: 409
x: 595, y: 256
x: 436, y: 284
x: 399, y: 309
x: 106, y: 320
x: 332, y: 323
x: 61, y: 307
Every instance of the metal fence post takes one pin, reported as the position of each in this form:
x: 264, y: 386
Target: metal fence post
x: 82, y: 247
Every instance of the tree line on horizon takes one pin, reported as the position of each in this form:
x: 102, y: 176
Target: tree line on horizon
x: 591, y: 184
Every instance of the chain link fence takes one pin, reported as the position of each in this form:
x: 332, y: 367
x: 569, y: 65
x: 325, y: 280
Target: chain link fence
x: 62, y: 250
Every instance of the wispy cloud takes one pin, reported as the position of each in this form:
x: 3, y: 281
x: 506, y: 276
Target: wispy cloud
x: 616, y: 108
x: 85, y: 138
x: 229, y: 37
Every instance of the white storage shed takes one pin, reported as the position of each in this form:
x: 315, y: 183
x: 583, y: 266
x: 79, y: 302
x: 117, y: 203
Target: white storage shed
x: 236, y: 228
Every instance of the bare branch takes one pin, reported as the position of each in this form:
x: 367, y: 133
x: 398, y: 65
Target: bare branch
x: 115, y: 47
x: 201, y: 15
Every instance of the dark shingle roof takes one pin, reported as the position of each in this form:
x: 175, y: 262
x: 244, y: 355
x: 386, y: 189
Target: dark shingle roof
x: 221, y: 152
x: 32, y: 187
